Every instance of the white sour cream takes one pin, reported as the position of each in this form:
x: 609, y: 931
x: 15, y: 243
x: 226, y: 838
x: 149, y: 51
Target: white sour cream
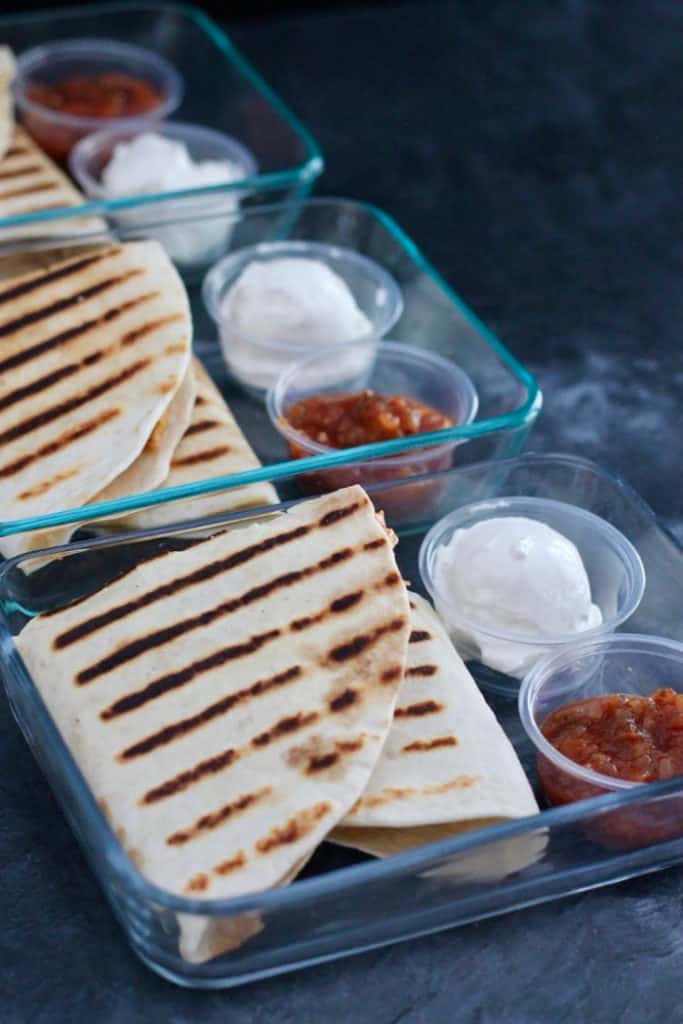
x: 517, y: 577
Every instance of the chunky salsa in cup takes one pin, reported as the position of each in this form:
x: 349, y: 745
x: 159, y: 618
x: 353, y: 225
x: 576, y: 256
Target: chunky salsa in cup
x: 362, y: 417
x: 622, y: 736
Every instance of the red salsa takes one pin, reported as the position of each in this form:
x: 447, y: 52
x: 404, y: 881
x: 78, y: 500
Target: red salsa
x: 623, y: 736
x: 102, y: 96
x: 362, y: 417
x: 107, y: 95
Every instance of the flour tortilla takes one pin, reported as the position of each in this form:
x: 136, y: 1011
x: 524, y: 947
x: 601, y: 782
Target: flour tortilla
x: 154, y: 462
x: 213, y: 446
x: 31, y: 183
x: 228, y: 703
x: 447, y: 766
x: 92, y: 351
x: 7, y: 72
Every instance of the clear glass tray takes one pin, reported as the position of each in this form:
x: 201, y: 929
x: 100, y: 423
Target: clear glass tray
x: 222, y: 91
x: 344, y: 903
x: 433, y: 317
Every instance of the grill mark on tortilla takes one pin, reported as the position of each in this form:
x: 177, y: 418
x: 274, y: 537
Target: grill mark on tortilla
x: 344, y: 700
x: 218, y: 763
x: 180, y: 782
x: 352, y: 648
x: 422, y: 670
x: 75, y: 434
x: 16, y: 151
x: 207, y: 822
x: 226, y: 866
x: 200, y: 400
x: 206, y: 572
x: 58, y: 274
x: 75, y: 402
x: 68, y: 370
x: 46, y: 485
x: 424, y: 707
x: 285, y: 726
x: 342, y: 604
x: 418, y: 635
x: 390, y: 793
x: 297, y: 827
x: 73, y: 332
x: 59, y: 305
x: 181, y: 728
x: 201, y: 426
x: 200, y: 883
x: 338, y: 513
x: 391, y: 674
x: 419, y: 746
x: 321, y: 762
x: 17, y: 172
x: 174, y: 680
x: 372, y: 545
x: 138, y: 647
x: 197, y: 576
x: 29, y: 190
x: 121, y: 575
x: 206, y: 456
x: 134, y: 335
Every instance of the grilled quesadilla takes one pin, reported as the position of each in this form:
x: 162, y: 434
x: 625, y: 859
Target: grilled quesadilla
x: 154, y: 462
x: 228, y: 703
x: 7, y: 71
x: 213, y: 445
x: 92, y: 351
x: 31, y: 183
x: 447, y: 766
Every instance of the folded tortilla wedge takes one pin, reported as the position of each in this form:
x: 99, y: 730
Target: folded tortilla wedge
x: 213, y: 445
x: 92, y: 351
x: 31, y: 183
x: 447, y: 766
x: 228, y: 703
x: 7, y: 71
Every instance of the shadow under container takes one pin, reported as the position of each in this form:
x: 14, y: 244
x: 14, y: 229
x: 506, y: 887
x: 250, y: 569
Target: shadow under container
x: 632, y: 664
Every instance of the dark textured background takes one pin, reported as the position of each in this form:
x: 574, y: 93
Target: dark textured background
x: 534, y: 150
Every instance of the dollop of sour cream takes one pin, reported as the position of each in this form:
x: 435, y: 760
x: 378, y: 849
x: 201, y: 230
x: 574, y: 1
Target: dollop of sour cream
x: 514, y: 576
x: 277, y: 305
x: 150, y: 164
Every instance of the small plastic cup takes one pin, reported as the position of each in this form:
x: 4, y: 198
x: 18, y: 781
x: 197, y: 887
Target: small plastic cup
x: 256, y: 365
x: 614, y: 568
x: 195, y: 231
x: 57, y: 132
x: 623, y: 663
x: 388, y: 368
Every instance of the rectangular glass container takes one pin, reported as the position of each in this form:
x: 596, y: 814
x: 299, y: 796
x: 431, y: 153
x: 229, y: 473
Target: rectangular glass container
x: 345, y: 903
x: 222, y: 91
x: 433, y: 317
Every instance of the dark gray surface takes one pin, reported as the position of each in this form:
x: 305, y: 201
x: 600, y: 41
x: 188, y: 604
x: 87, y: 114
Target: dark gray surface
x: 534, y: 150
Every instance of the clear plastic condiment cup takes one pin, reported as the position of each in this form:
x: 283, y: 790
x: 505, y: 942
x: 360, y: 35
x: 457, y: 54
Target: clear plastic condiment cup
x: 256, y: 365
x: 614, y: 568
x: 57, y: 131
x: 624, y: 663
x: 195, y: 231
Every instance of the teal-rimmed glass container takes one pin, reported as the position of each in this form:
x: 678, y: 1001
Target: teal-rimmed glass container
x: 221, y: 91
x: 434, y: 317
